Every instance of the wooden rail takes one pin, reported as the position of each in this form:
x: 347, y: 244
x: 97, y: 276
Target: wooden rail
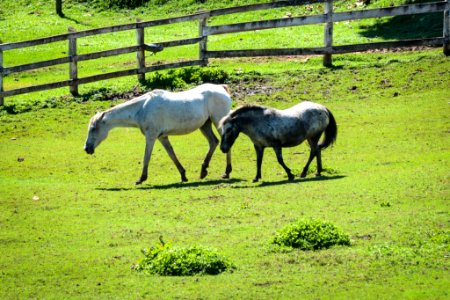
x: 328, y: 18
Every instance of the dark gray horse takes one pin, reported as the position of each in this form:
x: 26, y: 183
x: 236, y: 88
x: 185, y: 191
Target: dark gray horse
x: 269, y: 127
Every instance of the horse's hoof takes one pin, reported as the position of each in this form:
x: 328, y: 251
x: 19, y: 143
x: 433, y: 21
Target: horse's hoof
x: 303, y: 175
x: 184, y: 179
x: 138, y: 182
x: 255, y: 180
x: 291, y: 177
x: 203, y: 174
x: 225, y: 176
x: 318, y: 175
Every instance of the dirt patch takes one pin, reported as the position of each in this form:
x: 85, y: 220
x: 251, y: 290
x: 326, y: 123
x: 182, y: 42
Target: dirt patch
x: 240, y: 92
x: 249, y: 86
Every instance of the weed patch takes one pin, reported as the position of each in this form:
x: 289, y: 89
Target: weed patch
x: 182, y: 78
x: 311, y: 235
x: 166, y: 260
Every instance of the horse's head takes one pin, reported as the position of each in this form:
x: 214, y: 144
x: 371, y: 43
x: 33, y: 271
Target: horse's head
x: 229, y: 132
x: 97, y: 132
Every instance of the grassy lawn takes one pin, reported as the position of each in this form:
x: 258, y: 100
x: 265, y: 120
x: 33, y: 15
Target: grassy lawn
x: 72, y: 225
x: 24, y: 19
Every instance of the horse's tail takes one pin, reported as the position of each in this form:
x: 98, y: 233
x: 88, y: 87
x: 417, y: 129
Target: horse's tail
x: 226, y: 88
x: 330, y: 132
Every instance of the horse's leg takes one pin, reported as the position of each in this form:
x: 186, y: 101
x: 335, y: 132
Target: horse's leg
x: 319, y: 161
x: 207, y: 131
x: 312, y: 153
x: 149, y: 143
x: 228, y: 168
x: 215, y: 118
x: 278, y: 152
x: 259, y: 157
x: 168, y: 146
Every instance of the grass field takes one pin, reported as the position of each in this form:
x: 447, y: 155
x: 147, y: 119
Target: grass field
x: 72, y: 225
x: 31, y: 19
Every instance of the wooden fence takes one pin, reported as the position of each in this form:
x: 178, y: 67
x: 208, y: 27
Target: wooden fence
x: 327, y: 18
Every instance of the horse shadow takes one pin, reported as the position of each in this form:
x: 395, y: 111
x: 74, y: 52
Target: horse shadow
x: 218, y: 182
x: 193, y: 184
x: 297, y: 180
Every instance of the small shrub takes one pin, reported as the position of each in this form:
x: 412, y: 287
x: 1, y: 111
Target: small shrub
x: 166, y: 260
x: 182, y: 78
x: 310, y: 235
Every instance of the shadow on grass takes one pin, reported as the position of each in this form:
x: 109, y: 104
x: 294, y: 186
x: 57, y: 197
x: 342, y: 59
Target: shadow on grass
x: 190, y: 184
x: 74, y: 20
x: 406, y: 27
x: 219, y: 182
x: 286, y: 181
x: 173, y: 185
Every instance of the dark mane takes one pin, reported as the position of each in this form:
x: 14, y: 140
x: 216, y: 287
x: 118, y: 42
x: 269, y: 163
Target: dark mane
x: 247, y: 108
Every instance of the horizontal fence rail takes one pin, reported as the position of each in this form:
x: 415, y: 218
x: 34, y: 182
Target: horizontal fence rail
x: 327, y: 18
x: 324, y: 50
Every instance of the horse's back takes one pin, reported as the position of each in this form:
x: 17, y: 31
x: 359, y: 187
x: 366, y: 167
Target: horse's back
x: 183, y: 112
x: 302, y: 121
x: 217, y: 100
x: 201, y: 91
x: 314, y: 117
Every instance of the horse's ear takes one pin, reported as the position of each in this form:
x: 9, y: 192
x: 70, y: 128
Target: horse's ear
x: 100, y: 116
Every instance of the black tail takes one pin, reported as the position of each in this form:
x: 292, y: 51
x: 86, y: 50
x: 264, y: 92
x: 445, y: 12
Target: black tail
x: 330, y: 132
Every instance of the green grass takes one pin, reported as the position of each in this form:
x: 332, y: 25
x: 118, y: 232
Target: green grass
x: 386, y: 185
x: 24, y: 19
x: 73, y: 225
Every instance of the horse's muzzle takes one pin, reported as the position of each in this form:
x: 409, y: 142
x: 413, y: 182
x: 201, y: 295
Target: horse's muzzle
x: 89, y: 149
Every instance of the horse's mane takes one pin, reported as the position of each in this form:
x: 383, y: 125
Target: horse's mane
x: 247, y: 108
x: 99, y: 116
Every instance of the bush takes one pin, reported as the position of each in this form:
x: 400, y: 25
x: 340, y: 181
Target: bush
x: 310, y: 235
x: 182, y: 78
x: 166, y: 260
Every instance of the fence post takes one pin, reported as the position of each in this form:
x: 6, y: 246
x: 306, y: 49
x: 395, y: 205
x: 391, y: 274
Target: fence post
x: 73, y: 65
x: 1, y: 75
x: 203, y: 45
x: 446, y: 33
x: 140, y: 54
x: 328, y: 34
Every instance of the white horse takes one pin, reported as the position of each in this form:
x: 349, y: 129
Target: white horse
x: 159, y: 114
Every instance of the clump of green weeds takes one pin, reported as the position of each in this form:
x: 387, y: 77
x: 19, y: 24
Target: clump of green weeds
x: 310, y: 234
x: 182, y: 78
x: 167, y: 260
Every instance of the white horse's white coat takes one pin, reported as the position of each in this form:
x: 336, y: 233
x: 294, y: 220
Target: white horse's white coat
x: 159, y: 114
